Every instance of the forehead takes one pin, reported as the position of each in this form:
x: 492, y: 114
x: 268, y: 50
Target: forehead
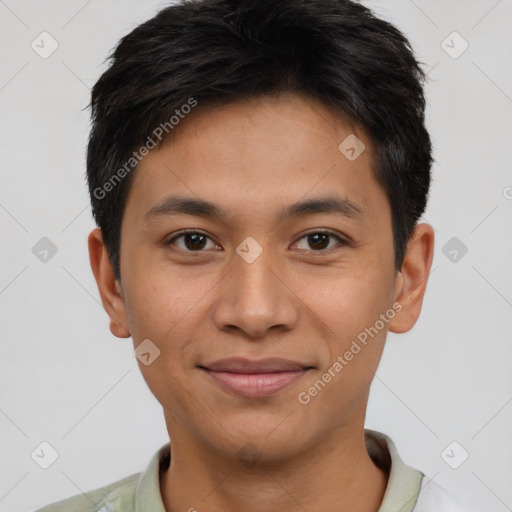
x: 258, y: 154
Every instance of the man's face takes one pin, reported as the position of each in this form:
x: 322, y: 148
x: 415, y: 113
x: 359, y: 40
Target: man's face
x: 257, y: 283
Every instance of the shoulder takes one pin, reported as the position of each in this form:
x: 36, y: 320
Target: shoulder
x: 434, y: 498
x: 117, y: 496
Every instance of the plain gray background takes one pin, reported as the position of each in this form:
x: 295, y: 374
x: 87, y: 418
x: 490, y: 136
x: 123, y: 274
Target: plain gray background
x: 67, y: 381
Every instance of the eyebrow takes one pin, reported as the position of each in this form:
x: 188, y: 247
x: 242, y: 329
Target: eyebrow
x: 176, y: 205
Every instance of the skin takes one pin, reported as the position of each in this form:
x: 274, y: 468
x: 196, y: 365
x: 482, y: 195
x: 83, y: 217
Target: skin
x: 296, y: 300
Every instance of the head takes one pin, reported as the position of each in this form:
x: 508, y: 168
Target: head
x: 291, y: 137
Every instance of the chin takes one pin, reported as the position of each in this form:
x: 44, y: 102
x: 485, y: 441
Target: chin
x: 260, y: 438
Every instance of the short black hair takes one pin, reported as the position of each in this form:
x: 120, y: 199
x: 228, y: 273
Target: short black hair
x: 210, y: 52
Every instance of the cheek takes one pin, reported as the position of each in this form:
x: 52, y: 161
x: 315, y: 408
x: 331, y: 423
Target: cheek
x: 168, y: 311
x: 162, y: 303
x: 352, y: 310
x: 349, y: 299
x: 350, y: 306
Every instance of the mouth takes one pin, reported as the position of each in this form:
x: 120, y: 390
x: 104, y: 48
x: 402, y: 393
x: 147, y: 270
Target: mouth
x: 255, y: 379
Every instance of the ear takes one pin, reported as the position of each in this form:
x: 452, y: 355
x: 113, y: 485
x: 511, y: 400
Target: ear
x: 109, y: 287
x: 411, y: 280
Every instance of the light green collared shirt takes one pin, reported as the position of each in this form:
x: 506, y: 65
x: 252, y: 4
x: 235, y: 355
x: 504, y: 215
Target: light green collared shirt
x: 407, y: 489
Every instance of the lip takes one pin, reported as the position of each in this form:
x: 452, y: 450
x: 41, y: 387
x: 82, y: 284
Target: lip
x: 255, y: 378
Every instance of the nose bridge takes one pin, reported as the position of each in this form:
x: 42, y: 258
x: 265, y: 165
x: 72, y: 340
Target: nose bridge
x: 255, y: 283
x: 253, y: 271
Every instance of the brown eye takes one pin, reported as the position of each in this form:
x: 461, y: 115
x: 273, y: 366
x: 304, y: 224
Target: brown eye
x: 320, y: 240
x: 192, y: 241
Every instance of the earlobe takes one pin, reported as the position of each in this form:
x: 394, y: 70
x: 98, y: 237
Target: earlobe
x: 411, y: 281
x: 110, y: 289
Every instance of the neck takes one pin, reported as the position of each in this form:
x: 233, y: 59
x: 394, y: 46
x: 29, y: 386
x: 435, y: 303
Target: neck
x: 336, y: 475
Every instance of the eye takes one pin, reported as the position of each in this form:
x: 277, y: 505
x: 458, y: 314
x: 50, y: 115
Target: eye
x: 318, y: 241
x: 193, y: 241
x: 196, y: 241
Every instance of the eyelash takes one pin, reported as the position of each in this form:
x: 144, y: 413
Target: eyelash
x: 340, y: 240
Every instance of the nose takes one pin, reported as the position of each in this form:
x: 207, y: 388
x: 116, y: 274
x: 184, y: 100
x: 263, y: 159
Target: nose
x: 255, y: 297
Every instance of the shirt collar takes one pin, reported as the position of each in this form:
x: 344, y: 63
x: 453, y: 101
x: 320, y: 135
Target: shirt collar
x: 147, y: 492
x: 401, y: 492
x: 404, y: 482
